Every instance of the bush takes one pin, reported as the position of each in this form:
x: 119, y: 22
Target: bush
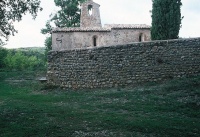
x: 18, y: 61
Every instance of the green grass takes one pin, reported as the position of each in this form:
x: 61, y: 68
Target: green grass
x: 170, y: 108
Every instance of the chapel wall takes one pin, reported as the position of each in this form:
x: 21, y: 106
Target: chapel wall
x: 124, y: 36
x: 62, y: 41
x: 81, y: 40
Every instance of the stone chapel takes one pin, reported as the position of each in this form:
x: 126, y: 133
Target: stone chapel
x: 92, y: 34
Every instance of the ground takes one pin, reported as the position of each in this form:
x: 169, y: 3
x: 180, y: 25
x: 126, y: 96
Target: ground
x: 29, y: 108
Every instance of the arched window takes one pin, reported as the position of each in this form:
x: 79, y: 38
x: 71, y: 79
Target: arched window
x: 90, y: 8
x: 141, y: 37
x: 94, y: 41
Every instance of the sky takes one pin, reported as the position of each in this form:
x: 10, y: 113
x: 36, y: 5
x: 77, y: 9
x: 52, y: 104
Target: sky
x: 112, y: 12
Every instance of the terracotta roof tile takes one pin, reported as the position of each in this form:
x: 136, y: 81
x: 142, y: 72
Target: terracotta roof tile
x: 127, y: 26
x: 106, y: 28
x: 81, y: 29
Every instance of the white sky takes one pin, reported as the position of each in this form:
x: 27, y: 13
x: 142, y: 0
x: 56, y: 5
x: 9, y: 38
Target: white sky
x: 112, y: 11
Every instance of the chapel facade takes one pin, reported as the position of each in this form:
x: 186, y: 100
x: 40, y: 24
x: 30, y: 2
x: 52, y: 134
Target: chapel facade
x: 92, y: 34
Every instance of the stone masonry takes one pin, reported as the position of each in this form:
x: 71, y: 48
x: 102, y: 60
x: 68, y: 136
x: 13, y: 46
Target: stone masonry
x: 92, y: 20
x: 123, y: 65
x: 92, y: 34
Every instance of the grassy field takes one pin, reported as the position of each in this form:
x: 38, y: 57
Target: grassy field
x: 27, y: 109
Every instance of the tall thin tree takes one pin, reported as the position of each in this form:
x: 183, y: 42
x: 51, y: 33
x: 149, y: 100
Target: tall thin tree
x: 166, y: 19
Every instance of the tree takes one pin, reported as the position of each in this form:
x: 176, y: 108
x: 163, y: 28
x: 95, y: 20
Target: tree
x: 67, y: 16
x: 11, y: 11
x: 48, y: 47
x: 166, y: 19
x: 17, y: 60
x: 3, y: 54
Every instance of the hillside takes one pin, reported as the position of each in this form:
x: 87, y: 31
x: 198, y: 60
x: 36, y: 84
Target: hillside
x: 31, y: 49
x: 28, y: 108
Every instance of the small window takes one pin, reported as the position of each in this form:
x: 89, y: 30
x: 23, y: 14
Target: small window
x: 95, y: 41
x: 141, y: 37
x: 90, y: 8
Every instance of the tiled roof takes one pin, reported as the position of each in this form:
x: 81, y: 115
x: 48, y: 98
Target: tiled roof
x: 127, y: 26
x: 81, y: 29
x: 106, y: 28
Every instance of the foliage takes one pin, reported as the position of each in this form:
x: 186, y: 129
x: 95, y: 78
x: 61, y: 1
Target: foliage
x: 11, y: 11
x: 169, y: 109
x: 48, y: 46
x: 21, y: 59
x: 166, y: 19
x: 38, y: 52
x: 48, y: 28
x: 3, y: 54
x: 67, y: 16
x: 18, y: 61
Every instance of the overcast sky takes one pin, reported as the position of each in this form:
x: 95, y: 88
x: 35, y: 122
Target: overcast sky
x: 112, y: 12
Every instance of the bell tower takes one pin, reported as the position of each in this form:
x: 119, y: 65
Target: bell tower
x: 90, y: 14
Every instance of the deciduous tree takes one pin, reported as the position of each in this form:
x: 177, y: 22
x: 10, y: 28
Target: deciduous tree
x: 13, y: 10
x: 67, y: 16
x: 17, y: 60
x: 3, y: 54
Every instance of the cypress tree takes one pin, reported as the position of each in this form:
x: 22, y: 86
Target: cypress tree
x: 166, y: 19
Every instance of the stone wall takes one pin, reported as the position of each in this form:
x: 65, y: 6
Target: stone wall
x: 124, y: 65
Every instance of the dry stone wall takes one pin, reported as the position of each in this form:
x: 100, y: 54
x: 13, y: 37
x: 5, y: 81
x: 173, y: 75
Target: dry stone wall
x: 124, y: 65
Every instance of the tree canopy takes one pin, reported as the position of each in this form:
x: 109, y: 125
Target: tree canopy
x: 67, y: 16
x: 13, y: 10
x: 166, y: 19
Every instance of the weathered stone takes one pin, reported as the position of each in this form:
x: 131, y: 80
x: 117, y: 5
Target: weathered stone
x: 84, y: 57
x: 92, y: 34
x: 138, y: 64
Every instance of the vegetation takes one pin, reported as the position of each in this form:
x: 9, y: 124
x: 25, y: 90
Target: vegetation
x: 11, y: 11
x: 67, y: 16
x: 48, y: 47
x: 22, y: 59
x: 3, y: 54
x: 171, y: 108
x: 166, y: 19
